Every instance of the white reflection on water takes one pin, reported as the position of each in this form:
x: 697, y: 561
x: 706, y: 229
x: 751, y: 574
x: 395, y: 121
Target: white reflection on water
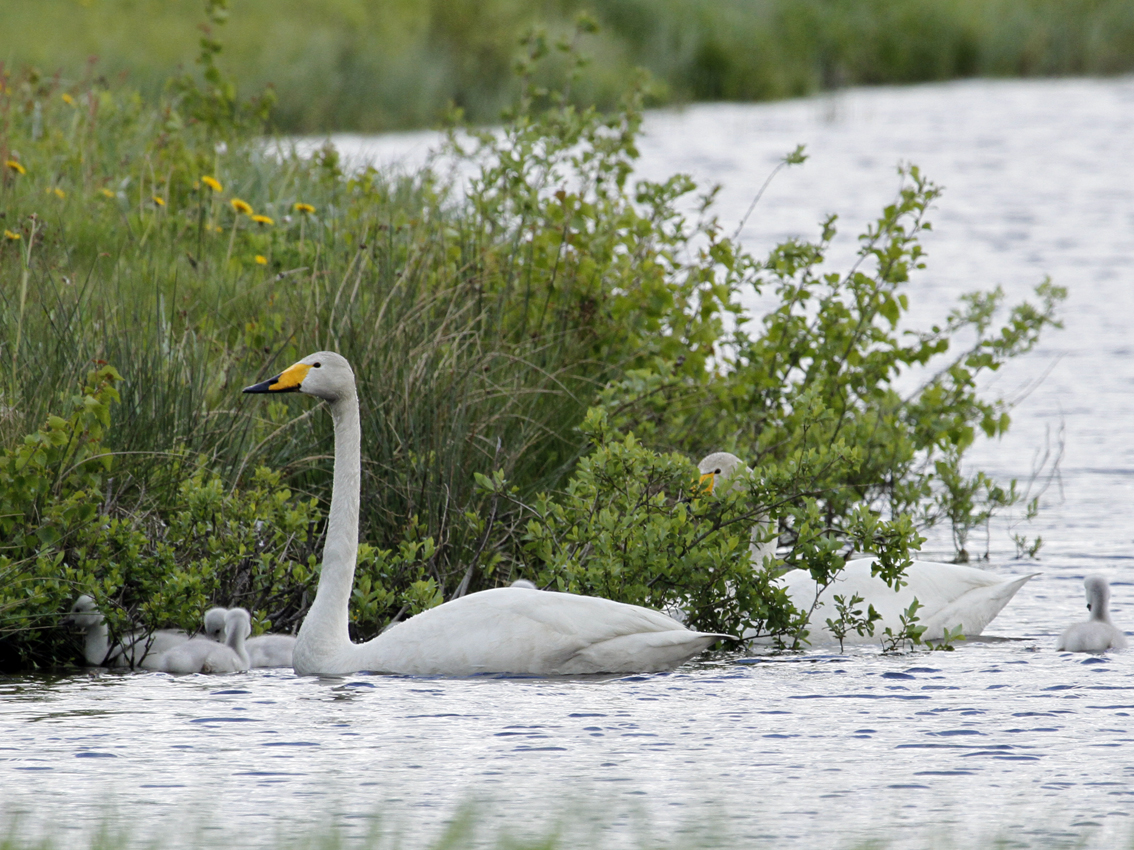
x: 999, y: 738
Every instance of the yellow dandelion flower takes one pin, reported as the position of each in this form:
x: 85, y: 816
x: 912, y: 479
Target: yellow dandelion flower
x: 261, y: 260
x: 16, y: 167
x: 10, y: 235
x: 159, y: 201
x: 56, y: 191
x: 106, y: 192
x: 304, y: 208
x: 67, y: 99
x: 241, y: 206
x: 262, y: 219
x: 213, y: 184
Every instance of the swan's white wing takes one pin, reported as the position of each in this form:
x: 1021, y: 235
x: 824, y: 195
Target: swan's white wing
x: 950, y: 595
x: 147, y: 650
x: 523, y: 631
x: 974, y: 609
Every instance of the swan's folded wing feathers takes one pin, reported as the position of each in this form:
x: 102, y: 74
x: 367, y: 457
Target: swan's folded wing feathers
x: 518, y: 630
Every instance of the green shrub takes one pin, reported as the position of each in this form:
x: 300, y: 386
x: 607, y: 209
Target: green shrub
x: 484, y: 321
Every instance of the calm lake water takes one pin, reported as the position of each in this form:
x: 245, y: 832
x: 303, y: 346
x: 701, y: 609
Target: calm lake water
x: 1004, y: 738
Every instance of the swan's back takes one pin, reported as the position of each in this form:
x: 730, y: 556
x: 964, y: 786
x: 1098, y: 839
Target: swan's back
x: 189, y: 657
x: 270, y: 650
x: 951, y: 595
x: 1091, y: 636
x: 522, y: 631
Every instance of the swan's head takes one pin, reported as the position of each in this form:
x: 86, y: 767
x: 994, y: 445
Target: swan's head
x: 324, y: 374
x: 237, y: 622
x: 214, y: 623
x: 1098, y: 592
x: 718, y: 466
x: 84, y: 614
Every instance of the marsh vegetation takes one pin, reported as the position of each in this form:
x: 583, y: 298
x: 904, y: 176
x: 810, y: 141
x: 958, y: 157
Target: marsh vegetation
x: 544, y: 351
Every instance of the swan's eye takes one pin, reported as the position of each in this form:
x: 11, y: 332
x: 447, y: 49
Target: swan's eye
x: 316, y: 364
x: 716, y: 472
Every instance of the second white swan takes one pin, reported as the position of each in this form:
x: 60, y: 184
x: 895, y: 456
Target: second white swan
x: 951, y: 595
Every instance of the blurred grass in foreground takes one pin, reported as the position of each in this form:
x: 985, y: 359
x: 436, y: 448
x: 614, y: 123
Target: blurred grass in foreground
x: 362, y: 65
x: 579, y: 823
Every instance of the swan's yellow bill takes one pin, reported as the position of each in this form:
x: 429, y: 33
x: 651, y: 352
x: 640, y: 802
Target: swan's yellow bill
x: 712, y: 480
x: 287, y: 381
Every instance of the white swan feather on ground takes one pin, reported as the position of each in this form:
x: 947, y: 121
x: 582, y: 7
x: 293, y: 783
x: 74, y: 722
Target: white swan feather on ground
x: 513, y: 630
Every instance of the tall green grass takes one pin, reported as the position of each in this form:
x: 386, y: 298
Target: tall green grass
x: 353, y: 64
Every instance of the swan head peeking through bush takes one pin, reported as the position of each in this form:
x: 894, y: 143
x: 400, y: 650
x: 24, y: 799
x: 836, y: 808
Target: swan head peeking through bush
x: 720, y: 465
x: 324, y: 374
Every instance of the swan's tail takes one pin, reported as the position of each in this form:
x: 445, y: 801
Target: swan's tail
x: 643, y: 652
x: 975, y: 610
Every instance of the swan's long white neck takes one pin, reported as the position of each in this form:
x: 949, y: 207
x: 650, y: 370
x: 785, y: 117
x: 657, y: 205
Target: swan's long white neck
x: 1100, y: 605
x: 324, y: 635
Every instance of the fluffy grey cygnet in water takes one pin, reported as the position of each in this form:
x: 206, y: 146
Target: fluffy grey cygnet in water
x: 263, y: 650
x: 206, y: 656
x: 1098, y: 634
x: 136, y: 649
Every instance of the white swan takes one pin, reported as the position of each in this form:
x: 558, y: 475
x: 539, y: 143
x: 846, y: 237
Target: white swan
x: 202, y: 655
x: 136, y: 649
x: 1098, y: 634
x: 951, y: 595
x: 263, y: 650
x: 504, y: 630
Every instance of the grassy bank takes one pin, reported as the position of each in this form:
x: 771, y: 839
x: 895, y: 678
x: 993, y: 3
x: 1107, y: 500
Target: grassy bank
x: 508, y: 336
x: 353, y: 64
